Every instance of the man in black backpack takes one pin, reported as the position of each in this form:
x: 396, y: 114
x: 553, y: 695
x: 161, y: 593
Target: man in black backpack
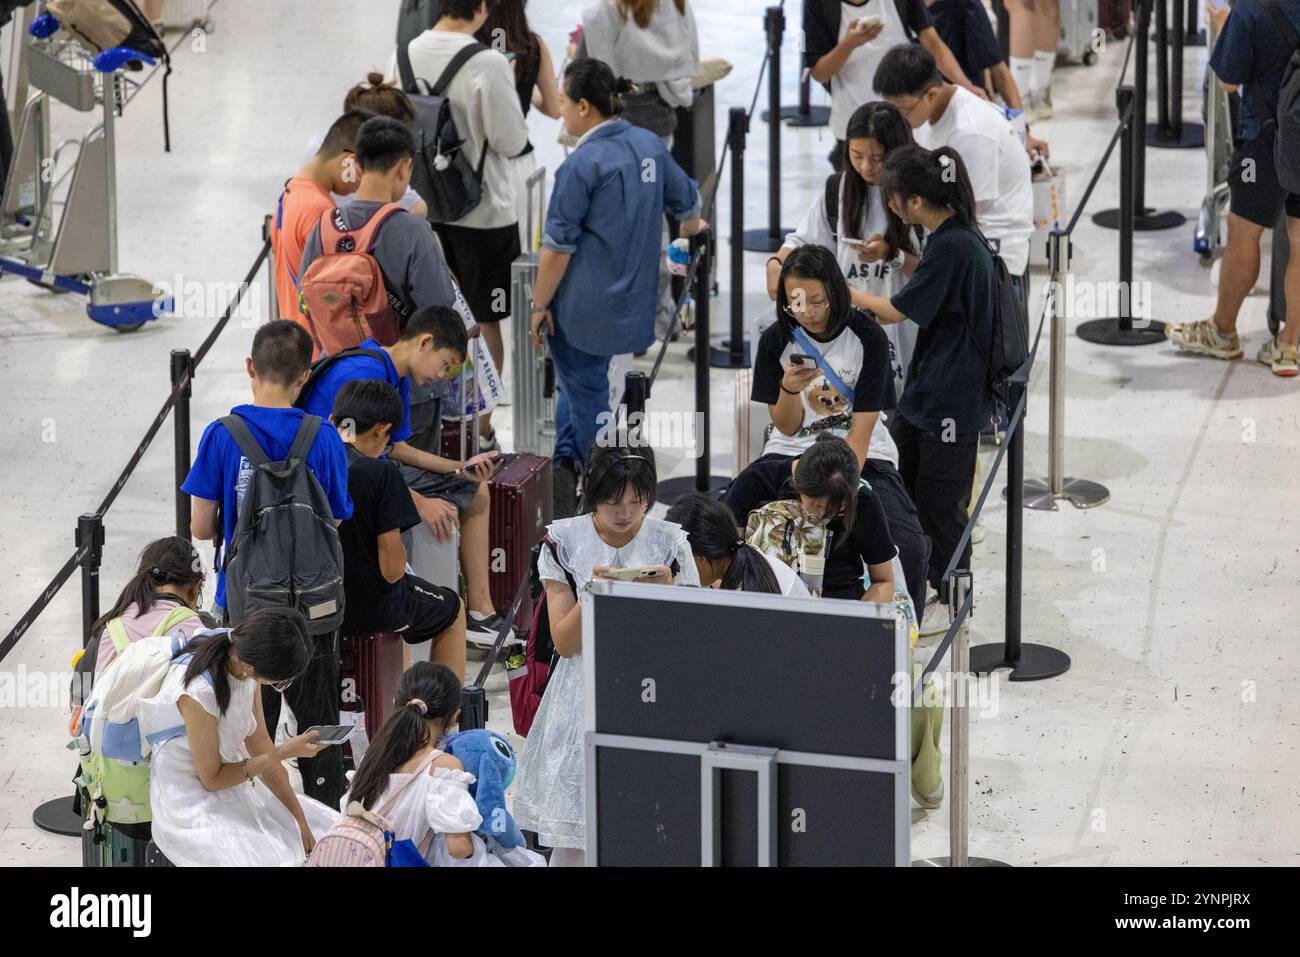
x: 481, y: 245
x: 218, y: 483
x: 1252, y: 52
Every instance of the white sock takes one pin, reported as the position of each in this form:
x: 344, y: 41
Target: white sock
x: 1022, y: 71
x: 1043, y: 63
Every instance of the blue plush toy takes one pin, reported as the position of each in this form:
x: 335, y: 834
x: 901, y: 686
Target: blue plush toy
x: 491, y: 760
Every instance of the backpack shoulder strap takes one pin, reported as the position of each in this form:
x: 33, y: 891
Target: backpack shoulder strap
x: 415, y: 776
x: 832, y: 202
x: 901, y: 8
x: 1283, y: 24
x: 302, y: 442
x: 117, y: 632
x: 550, y: 547
x: 254, y: 452
x: 332, y: 229
x: 368, y: 234
x: 404, y: 70
x: 458, y: 61
x: 174, y: 617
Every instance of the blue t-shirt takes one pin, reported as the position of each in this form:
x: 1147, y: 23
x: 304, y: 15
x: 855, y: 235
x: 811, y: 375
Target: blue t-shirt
x: 221, y: 473
x: 321, y: 399
x: 1252, y: 53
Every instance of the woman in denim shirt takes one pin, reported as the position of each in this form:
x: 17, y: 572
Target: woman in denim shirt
x: 597, y: 281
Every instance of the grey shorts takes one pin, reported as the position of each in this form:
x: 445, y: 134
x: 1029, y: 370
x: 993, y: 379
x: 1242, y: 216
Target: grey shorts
x: 451, y: 488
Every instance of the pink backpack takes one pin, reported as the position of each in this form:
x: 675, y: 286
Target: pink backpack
x: 342, y: 293
x: 365, y: 838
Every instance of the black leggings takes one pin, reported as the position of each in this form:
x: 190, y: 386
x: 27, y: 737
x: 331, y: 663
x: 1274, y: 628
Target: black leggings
x: 314, y: 697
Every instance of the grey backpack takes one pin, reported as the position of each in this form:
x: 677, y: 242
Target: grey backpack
x: 1286, y: 145
x: 286, y: 551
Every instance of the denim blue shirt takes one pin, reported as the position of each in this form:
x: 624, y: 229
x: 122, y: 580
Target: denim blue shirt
x: 607, y: 212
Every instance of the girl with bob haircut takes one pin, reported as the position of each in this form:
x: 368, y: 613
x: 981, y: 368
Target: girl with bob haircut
x: 612, y: 531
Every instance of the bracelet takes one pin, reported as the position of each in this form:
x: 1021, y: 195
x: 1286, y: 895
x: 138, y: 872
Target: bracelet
x: 775, y: 259
x: 787, y: 391
x: 536, y: 308
x: 243, y: 766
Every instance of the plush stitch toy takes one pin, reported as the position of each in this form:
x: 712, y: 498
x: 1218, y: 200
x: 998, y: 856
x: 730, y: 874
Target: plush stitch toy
x: 489, y: 757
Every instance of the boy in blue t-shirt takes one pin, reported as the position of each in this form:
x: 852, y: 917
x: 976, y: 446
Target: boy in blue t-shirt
x: 447, y: 493
x: 278, y: 367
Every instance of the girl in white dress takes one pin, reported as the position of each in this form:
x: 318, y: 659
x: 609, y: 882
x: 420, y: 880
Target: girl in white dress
x: 611, y: 532
x: 221, y: 796
x: 876, y: 250
x: 435, y: 812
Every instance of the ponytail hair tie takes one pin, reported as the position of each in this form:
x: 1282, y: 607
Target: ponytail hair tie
x: 736, y: 546
x: 418, y: 705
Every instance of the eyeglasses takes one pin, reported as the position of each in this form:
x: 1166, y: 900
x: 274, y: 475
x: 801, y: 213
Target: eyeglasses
x: 908, y: 110
x: 809, y: 307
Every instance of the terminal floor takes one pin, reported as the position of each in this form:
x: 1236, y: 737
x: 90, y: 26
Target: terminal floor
x: 1172, y: 738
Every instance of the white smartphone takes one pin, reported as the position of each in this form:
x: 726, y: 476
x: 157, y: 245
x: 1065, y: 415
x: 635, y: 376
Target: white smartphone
x: 866, y: 23
x: 631, y: 574
x: 854, y: 242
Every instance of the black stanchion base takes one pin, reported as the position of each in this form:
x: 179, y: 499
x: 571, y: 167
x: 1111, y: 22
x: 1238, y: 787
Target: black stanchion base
x: 761, y: 241
x: 947, y: 862
x: 1196, y: 39
x: 816, y: 116
x: 670, y: 490
x: 1036, y: 662
x: 57, y: 817
x: 720, y: 356
x: 1106, y: 332
x: 1148, y: 221
x: 1191, y: 138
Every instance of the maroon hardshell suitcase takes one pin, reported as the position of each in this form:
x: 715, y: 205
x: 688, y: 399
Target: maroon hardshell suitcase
x: 370, y: 668
x: 521, y: 510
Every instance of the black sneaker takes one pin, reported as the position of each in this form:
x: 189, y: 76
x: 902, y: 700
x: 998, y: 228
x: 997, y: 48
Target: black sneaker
x: 482, y: 632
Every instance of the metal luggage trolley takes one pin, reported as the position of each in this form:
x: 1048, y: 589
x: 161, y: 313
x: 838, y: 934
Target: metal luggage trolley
x: 1218, y: 151
x: 60, y: 229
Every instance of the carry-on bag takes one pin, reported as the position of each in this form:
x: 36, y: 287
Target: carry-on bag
x: 533, y: 411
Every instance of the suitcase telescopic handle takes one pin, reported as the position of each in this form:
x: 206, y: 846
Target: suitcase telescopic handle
x: 536, y: 181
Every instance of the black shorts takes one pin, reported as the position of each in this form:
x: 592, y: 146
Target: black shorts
x: 480, y: 260
x: 429, y: 610
x: 450, y: 488
x: 1257, y: 196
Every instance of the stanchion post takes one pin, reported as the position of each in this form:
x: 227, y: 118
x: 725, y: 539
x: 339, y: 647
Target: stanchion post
x: 182, y: 372
x: 90, y: 532
x: 700, y: 243
x: 959, y: 586
x: 737, y: 130
x: 1170, y: 131
x: 1139, y: 125
x: 769, y: 240
x: 1176, y: 72
x: 1162, y: 64
x: 634, y: 399
x: 1015, y: 529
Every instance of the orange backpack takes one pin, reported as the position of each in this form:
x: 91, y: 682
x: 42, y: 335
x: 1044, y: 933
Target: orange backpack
x: 342, y: 294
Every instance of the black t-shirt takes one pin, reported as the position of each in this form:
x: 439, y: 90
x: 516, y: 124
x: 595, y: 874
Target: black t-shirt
x: 769, y: 478
x: 822, y: 20
x: 951, y: 297
x: 859, y: 355
x: 964, y: 27
x: 380, y: 503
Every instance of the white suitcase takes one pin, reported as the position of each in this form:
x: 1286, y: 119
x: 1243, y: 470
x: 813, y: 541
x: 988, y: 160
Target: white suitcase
x: 434, y: 561
x: 184, y: 14
x: 533, y: 386
x: 1081, y: 36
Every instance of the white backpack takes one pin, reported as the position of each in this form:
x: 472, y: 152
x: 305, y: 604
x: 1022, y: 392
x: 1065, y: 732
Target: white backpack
x: 110, y: 721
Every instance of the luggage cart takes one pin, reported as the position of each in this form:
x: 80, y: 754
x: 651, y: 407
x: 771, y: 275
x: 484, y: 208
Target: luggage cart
x: 60, y: 229
x: 1219, y: 130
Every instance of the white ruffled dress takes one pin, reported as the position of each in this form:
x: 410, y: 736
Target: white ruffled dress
x: 549, y: 796
x: 240, y: 826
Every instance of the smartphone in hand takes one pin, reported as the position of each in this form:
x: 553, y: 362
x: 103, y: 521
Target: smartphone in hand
x: 631, y: 574
x: 331, y: 733
x: 799, y: 358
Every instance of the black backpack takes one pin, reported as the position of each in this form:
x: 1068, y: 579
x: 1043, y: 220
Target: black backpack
x: 1010, y: 345
x: 286, y: 551
x: 442, y: 174
x: 1286, y: 145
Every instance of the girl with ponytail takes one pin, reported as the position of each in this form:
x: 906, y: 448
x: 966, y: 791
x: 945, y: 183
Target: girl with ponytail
x: 218, y: 787
x: 164, y: 593
x: 951, y: 298
x: 721, y: 555
x: 426, y: 707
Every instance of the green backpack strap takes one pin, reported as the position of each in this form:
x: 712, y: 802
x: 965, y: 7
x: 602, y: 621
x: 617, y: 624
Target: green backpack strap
x: 117, y: 632
x: 174, y: 617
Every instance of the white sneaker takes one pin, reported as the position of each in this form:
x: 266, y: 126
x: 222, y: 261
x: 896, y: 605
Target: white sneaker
x: 977, y: 533
x: 935, y: 620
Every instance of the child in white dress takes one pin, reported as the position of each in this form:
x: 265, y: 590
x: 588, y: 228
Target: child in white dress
x: 435, y: 812
x: 611, y: 532
x: 221, y: 796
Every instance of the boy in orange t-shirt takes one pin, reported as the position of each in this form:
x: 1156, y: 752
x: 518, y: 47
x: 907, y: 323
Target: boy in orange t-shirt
x: 305, y: 199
